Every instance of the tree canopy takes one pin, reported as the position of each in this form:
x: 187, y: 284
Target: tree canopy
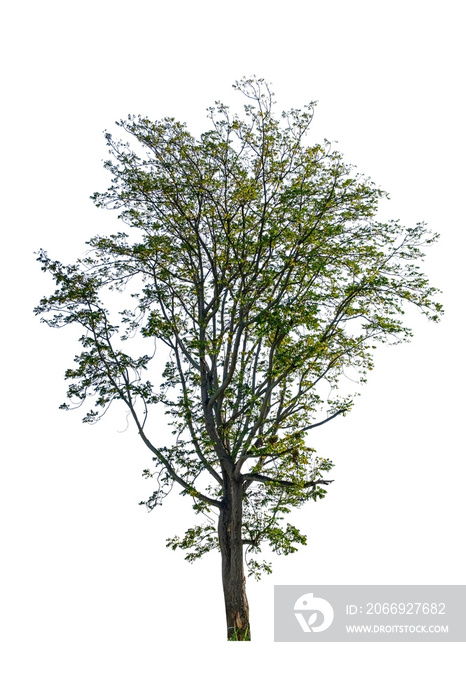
x: 257, y: 261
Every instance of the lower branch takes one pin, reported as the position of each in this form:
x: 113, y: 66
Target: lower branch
x: 283, y: 482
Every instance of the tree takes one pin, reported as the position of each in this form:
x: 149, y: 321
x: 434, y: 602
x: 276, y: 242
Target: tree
x: 257, y: 262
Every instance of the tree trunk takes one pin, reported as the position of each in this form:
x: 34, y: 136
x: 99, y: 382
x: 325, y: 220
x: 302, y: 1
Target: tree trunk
x: 231, y: 548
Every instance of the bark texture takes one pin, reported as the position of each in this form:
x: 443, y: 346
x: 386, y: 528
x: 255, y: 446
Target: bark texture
x: 231, y: 547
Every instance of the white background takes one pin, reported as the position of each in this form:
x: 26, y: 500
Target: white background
x: 93, y: 605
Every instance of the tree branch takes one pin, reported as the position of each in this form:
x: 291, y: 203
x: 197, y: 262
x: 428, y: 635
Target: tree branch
x: 284, y: 482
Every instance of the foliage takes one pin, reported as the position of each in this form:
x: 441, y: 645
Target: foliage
x: 256, y: 260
